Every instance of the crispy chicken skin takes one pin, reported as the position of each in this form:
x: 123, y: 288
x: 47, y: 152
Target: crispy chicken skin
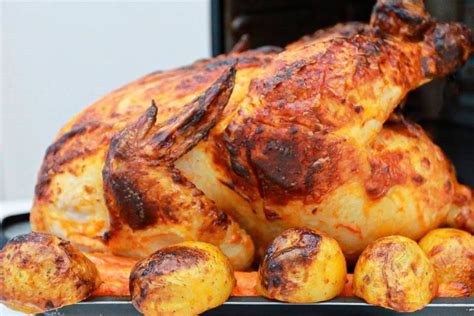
x: 236, y: 149
x: 344, y: 30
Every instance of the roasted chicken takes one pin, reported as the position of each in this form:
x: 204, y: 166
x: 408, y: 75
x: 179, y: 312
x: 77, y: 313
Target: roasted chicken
x: 234, y: 150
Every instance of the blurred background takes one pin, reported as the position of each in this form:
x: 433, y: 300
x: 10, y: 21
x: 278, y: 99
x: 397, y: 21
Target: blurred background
x: 59, y: 56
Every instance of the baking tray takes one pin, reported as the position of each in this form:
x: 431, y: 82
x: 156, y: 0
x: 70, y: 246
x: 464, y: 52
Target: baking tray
x: 116, y: 306
x: 258, y: 306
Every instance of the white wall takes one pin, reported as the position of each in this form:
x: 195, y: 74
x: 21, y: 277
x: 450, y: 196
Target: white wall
x: 58, y: 57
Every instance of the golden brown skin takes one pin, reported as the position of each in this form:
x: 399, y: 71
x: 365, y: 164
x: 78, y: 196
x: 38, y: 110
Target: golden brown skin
x: 461, y: 214
x: 40, y: 272
x: 302, y: 265
x: 453, y: 289
x: 340, y: 30
x: 451, y: 251
x: 70, y: 199
x: 246, y: 145
x: 184, y: 279
x: 173, y: 204
x: 395, y: 273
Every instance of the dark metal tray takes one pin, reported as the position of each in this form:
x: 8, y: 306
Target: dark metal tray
x: 259, y: 306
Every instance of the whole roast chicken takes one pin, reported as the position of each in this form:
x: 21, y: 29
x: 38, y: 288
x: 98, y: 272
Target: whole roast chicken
x: 235, y: 149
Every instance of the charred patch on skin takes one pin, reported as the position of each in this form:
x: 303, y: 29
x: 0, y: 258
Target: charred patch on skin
x: 135, y: 210
x: 451, y: 43
x: 406, y: 19
x: 121, y: 190
x: 282, y: 164
x: 280, y: 259
x: 234, y: 149
x: 276, y: 163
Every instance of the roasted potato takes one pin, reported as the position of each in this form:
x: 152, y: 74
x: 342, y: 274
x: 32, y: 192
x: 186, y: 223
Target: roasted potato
x: 395, y: 273
x: 302, y: 265
x: 451, y: 251
x: 39, y: 272
x: 184, y: 279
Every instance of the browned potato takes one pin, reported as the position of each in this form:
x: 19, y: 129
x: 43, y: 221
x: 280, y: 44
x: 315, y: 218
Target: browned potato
x: 184, y: 279
x: 395, y: 273
x: 451, y: 251
x: 39, y: 272
x: 302, y: 265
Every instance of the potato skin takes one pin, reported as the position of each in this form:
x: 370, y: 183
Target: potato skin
x: 40, y: 272
x: 302, y: 265
x: 184, y: 279
x: 451, y: 251
x: 395, y: 273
